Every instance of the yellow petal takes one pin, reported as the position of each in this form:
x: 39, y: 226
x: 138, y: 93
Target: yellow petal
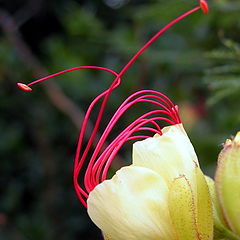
x: 194, y: 220
x: 132, y: 206
x: 170, y: 154
x: 181, y: 205
x: 106, y: 237
x: 204, y: 212
x: 228, y: 182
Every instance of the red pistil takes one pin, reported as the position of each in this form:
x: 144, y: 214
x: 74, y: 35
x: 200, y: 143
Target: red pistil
x: 102, y: 156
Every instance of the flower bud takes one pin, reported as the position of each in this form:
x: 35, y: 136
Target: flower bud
x: 221, y: 230
x: 228, y: 183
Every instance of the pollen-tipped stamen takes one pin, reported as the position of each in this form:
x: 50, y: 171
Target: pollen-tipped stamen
x: 24, y: 87
x: 204, y: 6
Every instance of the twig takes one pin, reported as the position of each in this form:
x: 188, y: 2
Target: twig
x: 58, y: 98
x: 27, y: 12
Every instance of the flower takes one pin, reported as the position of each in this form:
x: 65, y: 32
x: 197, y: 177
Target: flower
x: 163, y: 195
x: 227, y: 184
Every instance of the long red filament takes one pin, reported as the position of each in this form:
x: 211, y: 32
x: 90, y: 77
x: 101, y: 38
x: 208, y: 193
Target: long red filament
x: 102, y: 156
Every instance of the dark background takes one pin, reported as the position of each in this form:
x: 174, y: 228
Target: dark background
x: 196, y: 64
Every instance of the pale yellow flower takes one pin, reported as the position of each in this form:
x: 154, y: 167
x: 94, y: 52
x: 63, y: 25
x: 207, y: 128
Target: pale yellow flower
x: 163, y: 195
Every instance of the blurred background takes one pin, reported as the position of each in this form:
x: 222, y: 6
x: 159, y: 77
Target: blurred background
x: 196, y: 64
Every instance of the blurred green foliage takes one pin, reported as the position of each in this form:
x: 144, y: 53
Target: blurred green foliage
x: 223, y: 78
x: 194, y: 63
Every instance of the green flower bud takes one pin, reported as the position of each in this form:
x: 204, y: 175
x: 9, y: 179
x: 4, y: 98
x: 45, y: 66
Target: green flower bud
x: 227, y: 182
x: 221, y: 231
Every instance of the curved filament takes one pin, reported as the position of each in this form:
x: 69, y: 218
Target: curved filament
x: 96, y: 160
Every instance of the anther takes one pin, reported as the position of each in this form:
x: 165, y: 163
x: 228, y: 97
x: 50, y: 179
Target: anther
x: 24, y: 87
x: 204, y: 6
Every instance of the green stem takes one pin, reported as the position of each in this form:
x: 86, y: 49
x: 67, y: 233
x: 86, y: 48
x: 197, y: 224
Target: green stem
x: 230, y: 235
x: 226, y: 234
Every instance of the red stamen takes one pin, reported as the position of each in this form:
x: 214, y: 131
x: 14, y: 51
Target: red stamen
x: 102, y: 156
x: 204, y: 6
x: 24, y: 87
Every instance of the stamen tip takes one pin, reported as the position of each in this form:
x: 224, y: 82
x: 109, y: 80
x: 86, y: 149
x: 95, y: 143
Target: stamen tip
x: 204, y: 6
x: 24, y: 87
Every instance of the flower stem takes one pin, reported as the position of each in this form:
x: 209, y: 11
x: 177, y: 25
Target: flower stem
x: 226, y: 234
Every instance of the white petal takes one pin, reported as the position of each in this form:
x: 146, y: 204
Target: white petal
x: 170, y: 154
x: 132, y: 206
